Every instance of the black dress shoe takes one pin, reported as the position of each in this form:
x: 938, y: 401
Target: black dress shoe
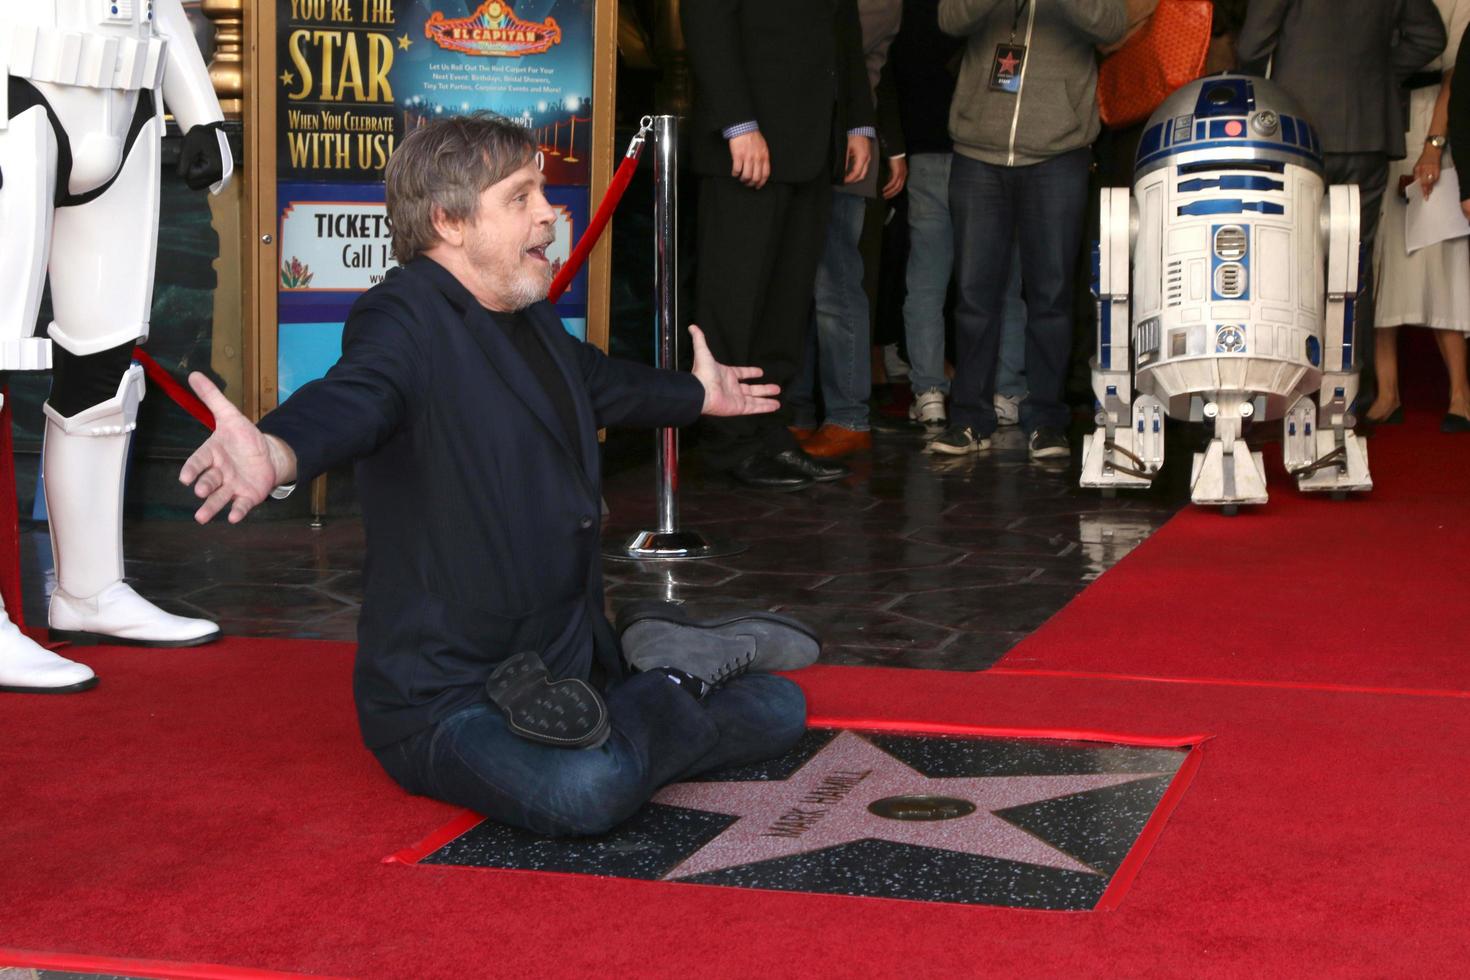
x: 821, y: 470
x: 762, y: 471
x: 1454, y: 423
x: 568, y: 713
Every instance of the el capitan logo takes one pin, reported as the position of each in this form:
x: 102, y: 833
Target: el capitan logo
x: 493, y: 31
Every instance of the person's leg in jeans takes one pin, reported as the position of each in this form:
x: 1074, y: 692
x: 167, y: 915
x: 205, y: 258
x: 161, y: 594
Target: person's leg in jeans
x: 926, y: 278
x: 1010, y: 369
x: 1052, y: 198
x: 660, y: 733
x: 801, y: 395
x: 843, y: 363
x: 982, y: 207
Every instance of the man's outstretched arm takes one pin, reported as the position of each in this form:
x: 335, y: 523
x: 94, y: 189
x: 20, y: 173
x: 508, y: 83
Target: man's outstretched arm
x: 238, y: 466
x: 625, y: 393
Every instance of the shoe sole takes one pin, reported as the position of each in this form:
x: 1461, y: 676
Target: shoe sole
x: 1051, y: 453
x: 787, y: 489
x: 79, y: 686
x: 668, y: 638
x: 978, y: 447
x: 83, y: 638
x: 536, y: 707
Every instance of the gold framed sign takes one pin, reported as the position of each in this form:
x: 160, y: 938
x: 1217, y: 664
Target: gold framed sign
x: 334, y: 84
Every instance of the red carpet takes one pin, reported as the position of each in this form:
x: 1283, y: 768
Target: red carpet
x: 215, y: 806
x: 1369, y: 591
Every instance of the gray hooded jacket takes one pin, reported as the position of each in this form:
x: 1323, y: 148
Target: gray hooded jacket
x: 1055, y: 110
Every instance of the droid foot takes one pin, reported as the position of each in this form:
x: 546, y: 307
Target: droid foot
x: 1233, y: 478
x: 118, y: 615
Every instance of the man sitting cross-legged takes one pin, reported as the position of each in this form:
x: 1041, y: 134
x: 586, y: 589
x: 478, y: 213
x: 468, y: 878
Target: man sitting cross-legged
x: 487, y: 674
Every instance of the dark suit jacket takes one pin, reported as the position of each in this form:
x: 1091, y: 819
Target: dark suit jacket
x: 1341, y: 61
x: 793, y: 66
x: 482, y: 517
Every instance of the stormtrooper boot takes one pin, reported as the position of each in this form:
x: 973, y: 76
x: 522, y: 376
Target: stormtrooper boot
x: 26, y: 667
x: 83, y: 460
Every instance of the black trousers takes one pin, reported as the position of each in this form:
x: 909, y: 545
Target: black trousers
x: 1370, y: 172
x: 758, y: 252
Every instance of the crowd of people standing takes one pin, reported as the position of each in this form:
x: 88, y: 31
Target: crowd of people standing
x: 981, y: 117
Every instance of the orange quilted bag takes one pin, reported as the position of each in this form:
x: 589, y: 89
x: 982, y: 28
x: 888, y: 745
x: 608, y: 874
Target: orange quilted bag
x: 1167, y: 52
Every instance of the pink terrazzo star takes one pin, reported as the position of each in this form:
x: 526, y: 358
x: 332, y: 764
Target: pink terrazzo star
x: 825, y: 803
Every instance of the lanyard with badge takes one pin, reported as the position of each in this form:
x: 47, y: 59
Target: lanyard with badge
x: 1005, y: 73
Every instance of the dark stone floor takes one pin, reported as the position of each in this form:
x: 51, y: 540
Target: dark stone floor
x: 914, y: 560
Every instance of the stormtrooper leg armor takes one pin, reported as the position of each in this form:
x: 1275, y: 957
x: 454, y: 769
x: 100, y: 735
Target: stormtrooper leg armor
x: 80, y: 128
x: 84, y: 458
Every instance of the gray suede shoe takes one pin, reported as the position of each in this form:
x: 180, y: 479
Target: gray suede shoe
x: 664, y: 634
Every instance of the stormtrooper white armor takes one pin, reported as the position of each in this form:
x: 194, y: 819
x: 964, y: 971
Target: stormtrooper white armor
x: 1245, y: 271
x: 81, y: 121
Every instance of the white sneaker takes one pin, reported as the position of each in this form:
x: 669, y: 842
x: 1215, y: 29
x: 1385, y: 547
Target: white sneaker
x: 894, y: 366
x: 1007, y: 410
x: 119, y: 615
x: 26, y: 667
x: 928, y: 408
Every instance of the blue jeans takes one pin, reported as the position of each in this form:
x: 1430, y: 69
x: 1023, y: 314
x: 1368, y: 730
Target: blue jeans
x: 838, y: 350
x: 1010, y: 370
x: 926, y: 278
x: 660, y: 734
x: 1042, y: 206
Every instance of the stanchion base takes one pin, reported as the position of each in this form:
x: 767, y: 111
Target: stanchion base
x: 668, y: 546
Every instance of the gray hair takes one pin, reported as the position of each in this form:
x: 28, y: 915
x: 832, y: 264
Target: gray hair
x: 448, y: 163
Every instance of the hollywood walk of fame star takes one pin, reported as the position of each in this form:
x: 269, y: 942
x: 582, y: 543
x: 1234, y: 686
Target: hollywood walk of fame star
x: 825, y: 804
x: 1008, y: 64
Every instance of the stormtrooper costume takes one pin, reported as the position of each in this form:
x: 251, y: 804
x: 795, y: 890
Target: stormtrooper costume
x: 81, y: 120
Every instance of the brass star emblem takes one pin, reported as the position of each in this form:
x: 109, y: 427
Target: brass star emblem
x: 404, y: 42
x: 287, y: 77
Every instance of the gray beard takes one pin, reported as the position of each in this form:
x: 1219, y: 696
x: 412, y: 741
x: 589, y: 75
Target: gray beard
x: 524, y: 291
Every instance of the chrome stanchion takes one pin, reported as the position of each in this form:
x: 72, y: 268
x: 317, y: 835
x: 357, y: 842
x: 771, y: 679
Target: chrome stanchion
x: 668, y: 541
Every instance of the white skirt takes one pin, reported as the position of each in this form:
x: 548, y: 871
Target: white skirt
x: 1430, y: 287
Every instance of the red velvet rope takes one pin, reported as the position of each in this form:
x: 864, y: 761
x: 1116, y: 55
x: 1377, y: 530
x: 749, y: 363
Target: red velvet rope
x: 181, y: 396
x: 190, y: 403
x: 605, y: 210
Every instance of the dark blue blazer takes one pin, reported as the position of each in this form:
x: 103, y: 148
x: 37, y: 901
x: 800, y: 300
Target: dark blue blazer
x: 482, y: 518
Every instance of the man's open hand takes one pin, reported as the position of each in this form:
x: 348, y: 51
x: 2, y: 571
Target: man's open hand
x: 725, y: 390
x: 898, y: 174
x: 238, y: 465
x: 750, y: 159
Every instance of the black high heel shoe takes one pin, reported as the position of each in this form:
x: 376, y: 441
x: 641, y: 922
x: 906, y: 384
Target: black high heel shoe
x: 1454, y: 423
x: 1396, y: 417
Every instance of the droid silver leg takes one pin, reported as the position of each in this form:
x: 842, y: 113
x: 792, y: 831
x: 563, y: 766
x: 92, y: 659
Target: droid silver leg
x: 1321, y: 450
x: 1127, y: 449
x: 1327, y: 457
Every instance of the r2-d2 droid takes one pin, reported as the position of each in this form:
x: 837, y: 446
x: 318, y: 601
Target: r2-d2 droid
x: 1245, y: 271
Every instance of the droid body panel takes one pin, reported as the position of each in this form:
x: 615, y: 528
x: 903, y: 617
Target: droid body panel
x: 81, y: 122
x: 1238, y: 303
